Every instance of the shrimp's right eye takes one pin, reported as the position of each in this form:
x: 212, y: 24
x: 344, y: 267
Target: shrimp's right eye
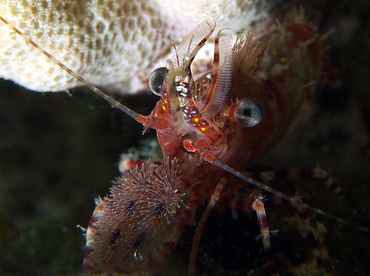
x: 156, y: 80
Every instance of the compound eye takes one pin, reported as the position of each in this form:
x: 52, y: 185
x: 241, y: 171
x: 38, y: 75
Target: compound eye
x: 250, y: 112
x: 156, y: 80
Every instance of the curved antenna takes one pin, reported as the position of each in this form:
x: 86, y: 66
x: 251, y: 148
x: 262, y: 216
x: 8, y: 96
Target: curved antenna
x: 193, y: 42
x: 175, y: 56
x: 222, y: 74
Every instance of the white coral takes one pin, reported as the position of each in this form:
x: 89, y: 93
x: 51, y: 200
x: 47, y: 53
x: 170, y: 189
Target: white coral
x: 108, y: 42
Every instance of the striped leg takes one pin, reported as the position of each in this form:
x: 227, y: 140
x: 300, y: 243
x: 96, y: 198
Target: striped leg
x: 258, y: 206
x: 314, y: 173
x: 254, y: 204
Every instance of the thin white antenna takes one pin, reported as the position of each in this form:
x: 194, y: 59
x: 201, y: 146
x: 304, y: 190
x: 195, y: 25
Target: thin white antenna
x: 138, y: 117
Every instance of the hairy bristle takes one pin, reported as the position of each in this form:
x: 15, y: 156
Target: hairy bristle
x: 246, y: 54
x: 138, y: 214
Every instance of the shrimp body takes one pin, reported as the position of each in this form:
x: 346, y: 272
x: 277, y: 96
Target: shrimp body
x: 232, y: 113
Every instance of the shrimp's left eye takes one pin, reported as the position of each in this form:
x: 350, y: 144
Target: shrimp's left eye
x: 156, y: 80
x: 250, y: 112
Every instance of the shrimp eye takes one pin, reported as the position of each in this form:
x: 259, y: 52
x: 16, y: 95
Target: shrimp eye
x: 156, y: 80
x: 250, y: 112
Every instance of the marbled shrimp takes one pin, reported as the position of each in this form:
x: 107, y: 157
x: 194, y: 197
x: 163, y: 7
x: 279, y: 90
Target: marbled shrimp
x: 209, y: 129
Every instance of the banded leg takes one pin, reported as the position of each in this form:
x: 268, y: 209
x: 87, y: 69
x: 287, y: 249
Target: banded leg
x: 258, y: 206
x: 251, y: 204
x: 314, y: 173
x: 254, y: 204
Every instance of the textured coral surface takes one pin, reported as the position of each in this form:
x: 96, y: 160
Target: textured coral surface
x: 59, y: 151
x: 108, y: 42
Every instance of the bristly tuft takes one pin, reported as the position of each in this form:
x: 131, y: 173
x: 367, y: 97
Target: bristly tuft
x: 246, y: 54
x: 138, y: 215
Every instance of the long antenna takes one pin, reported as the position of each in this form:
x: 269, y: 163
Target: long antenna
x: 114, y: 103
x: 293, y: 200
